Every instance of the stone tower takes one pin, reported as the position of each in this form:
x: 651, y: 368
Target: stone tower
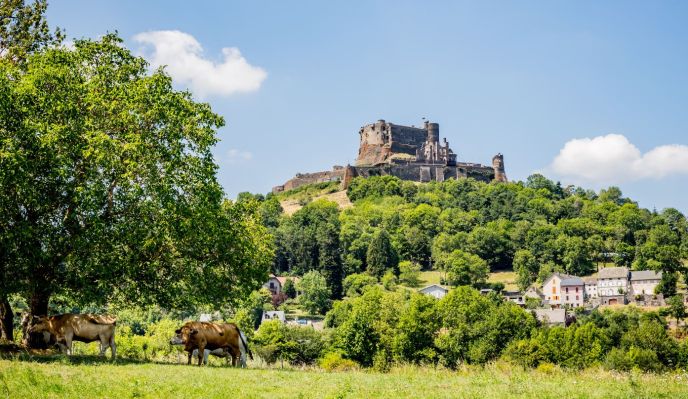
x: 498, y: 166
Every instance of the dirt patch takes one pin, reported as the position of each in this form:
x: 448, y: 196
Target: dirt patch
x: 340, y: 198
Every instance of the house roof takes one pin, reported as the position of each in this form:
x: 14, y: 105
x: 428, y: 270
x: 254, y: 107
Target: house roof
x: 431, y: 287
x: 571, y: 281
x: 551, y: 315
x: 566, y: 280
x: 613, y: 272
x: 512, y: 293
x: 283, y: 279
x: 590, y: 280
x: 645, y: 275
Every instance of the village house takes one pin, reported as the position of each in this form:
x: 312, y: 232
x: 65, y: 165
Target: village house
x: 275, y: 284
x: 434, y: 290
x: 644, y: 282
x: 562, y: 290
x: 612, y: 285
x: 516, y: 297
x: 590, y: 287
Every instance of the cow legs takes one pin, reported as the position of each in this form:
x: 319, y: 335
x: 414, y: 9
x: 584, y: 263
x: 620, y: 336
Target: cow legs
x: 201, y: 353
x: 68, y: 343
x: 113, y: 346
x: 190, y: 354
x: 104, y: 344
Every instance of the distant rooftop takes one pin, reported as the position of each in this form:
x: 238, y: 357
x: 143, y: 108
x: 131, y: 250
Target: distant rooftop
x: 645, y: 275
x: 613, y: 272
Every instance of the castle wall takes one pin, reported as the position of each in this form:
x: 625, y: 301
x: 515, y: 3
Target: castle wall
x: 427, y: 172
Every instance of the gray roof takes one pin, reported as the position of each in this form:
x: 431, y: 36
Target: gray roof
x: 512, y: 293
x: 613, y: 272
x: 551, y: 316
x: 430, y: 287
x: 567, y: 281
x: 590, y: 280
x: 645, y: 275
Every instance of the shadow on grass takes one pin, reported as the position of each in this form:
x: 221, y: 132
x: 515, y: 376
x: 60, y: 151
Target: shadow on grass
x: 78, y: 360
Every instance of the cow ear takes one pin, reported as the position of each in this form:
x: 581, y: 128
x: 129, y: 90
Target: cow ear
x: 194, y: 331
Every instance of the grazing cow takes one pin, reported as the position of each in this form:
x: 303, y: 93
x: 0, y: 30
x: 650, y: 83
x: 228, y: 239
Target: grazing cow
x: 197, y: 335
x: 37, y: 341
x: 78, y: 327
x: 223, y: 352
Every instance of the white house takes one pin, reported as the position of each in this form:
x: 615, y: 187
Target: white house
x: 561, y: 289
x: 590, y: 287
x: 644, y: 282
x: 274, y: 315
x: 612, y: 285
x: 434, y: 290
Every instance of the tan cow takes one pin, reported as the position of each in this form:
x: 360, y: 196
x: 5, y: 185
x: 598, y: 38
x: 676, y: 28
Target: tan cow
x: 198, y: 335
x: 70, y: 327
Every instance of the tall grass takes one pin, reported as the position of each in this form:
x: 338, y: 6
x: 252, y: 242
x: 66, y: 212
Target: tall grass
x: 87, y: 377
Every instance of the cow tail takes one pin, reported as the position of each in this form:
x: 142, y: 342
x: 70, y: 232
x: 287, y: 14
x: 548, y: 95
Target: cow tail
x: 243, y: 342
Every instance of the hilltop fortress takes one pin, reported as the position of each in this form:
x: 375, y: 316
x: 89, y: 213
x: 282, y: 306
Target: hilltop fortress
x: 407, y: 152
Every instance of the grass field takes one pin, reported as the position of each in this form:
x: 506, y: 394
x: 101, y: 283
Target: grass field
x: 90, y: 378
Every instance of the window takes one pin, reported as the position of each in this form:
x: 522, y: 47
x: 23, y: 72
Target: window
x: 576, y: 289
x: 272, y: 285
x: 554, y: 290
x: 567, y: 298
x: 567, y: 290
x: 577, y: 298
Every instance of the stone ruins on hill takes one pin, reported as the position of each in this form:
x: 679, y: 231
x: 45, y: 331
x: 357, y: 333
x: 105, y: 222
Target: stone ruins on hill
x: 407, y: 152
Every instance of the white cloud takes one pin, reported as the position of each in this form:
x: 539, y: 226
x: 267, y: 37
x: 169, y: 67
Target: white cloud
x: 612, y: 158
x: 183, y: 57
x: 238, y: 156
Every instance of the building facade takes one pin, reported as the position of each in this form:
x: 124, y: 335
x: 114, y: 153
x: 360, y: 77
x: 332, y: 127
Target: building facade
x: 612, y: 285
x: 644, y: 282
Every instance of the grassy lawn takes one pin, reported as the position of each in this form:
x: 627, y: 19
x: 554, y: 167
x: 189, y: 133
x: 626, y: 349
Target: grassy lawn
x: 508, y: 278
x: 66, y: 378
x: 429, y: 277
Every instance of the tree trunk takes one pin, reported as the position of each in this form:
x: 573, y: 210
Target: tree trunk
x: 6, y: 320
x: 38, y: 307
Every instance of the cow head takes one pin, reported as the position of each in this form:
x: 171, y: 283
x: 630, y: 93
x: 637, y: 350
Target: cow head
x: 184, y: 335
x: 39, y: 324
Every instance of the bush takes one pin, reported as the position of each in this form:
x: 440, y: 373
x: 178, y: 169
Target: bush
x: 333, y: 361
x: 409, y: 273
x: 389, y: 281
x: 355, y: 284
x: 297, y: 345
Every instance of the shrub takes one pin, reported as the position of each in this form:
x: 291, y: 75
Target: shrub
x: 355, y: 284
x: 333, y: 361
x: 409, y: 273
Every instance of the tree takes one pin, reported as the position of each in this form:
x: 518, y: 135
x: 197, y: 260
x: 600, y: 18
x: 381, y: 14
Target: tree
x: 289, y: 288
x: 356, y: 284
x: 464, y: 268
x: 526, y: 268
x: 108, y: 186
x: 677, y: 309
x: 24, y: 29
x: 315, y: 295
x: 309, y: 240
x: 381, y: 255
x: 409, y: 273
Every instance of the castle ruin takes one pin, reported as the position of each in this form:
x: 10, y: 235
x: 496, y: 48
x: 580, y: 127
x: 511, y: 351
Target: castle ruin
x: 407, y: 152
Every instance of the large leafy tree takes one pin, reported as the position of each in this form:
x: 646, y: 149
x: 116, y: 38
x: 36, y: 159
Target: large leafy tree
x: 24, y: 29
x: 108, y: 187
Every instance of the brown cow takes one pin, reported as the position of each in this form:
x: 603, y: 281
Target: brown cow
x: 78, y: 327
x: 198, y: 335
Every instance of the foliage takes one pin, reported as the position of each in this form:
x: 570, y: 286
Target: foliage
x: 24, y: 29
x: 409, y: 273
x: 381, y: 255
x: 289, y: 288
x: 464, y: 268
x: 315, y: 294
x: 333, y: 361
x: 355, y: 284
x: 298, y: 345
x: 108, y: 186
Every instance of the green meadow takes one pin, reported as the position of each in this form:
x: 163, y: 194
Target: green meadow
x: 85, y: 377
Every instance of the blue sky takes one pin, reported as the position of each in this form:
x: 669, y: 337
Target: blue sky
x: 519, y: 77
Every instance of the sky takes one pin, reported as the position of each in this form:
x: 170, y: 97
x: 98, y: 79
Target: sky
x: 592, y: 93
